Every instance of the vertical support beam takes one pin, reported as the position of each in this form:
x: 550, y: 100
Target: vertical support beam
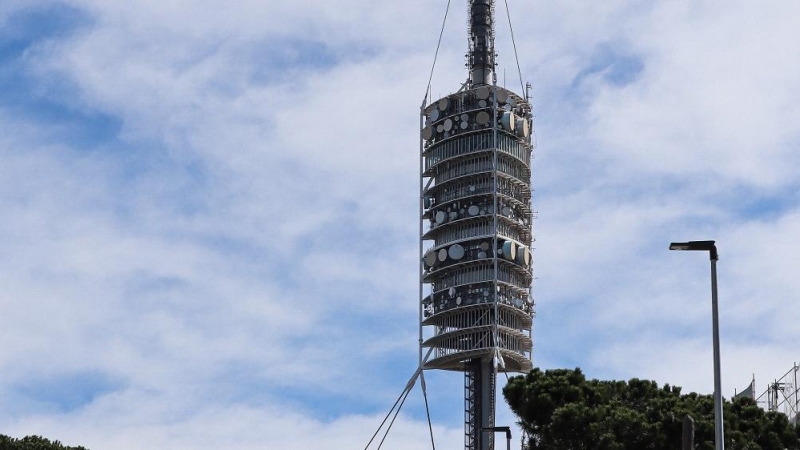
x: 479, y: 387
x: 471, y: 404
x: 487, y: 383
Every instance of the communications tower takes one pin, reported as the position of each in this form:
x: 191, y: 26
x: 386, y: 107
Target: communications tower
x: 476, y: 307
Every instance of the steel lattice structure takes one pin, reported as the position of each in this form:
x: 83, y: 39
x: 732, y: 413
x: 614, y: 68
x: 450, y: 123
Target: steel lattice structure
x: 476, y: 306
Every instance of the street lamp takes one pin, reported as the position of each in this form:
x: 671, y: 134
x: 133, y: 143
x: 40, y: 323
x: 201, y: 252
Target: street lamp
x: 709, y: 246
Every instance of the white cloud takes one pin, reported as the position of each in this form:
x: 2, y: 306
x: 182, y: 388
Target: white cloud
x: 249, y: 233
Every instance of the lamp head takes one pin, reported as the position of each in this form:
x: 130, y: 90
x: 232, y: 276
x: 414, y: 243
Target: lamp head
x: 708, y: 246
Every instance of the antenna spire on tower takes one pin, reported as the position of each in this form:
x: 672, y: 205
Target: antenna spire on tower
x: 481, y: 42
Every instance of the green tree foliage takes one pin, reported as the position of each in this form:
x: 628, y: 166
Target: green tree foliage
x: 562, y: 410
x: 32, y: 443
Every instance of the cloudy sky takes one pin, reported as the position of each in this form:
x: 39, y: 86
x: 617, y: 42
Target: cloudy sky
x: 208, y: 232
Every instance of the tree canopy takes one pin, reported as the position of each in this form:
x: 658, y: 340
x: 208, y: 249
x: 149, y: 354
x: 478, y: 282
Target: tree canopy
x: 32, y: 443
x: 561, y: 410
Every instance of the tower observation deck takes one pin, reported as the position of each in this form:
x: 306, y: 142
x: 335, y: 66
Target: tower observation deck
x: 476, y: 307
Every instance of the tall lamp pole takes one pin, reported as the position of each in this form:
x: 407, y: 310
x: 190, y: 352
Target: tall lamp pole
x: 711, y: 248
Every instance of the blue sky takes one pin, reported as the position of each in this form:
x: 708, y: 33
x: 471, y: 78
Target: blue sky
x: 209, y: 229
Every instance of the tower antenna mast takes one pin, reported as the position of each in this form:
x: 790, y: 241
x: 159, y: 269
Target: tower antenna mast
x: 476, y: 307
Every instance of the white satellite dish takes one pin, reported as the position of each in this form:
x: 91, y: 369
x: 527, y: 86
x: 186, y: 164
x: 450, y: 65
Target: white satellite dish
x: 434, y: 116
x: 442, y: 254
x: 508, y: 121
x: 444, y: 104
x: 509, y: 249
x: 520, y: 258
x: 473, y: 210
x: 456, y: 252
x: 441, y: 216
x: 502, y: 95
x: 523, y: 129
x: 482, y: 92
x: 430, y: 258
x: 427, y: 133
x: 482, y: 118
x: 448, y: 124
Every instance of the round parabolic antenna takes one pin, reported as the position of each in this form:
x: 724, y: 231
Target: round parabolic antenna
x: 482, y: 103
x: 465, y: 117
x: 451, y: 292
x: 430, y: 258
x: 427, y: 133
x: 456, y: 252
x: 482, y: 118
x: 509, y: 249
x: 523, y: 129
x: 464, y: 125
x: 458, y: 300
x: 481, y: 255
x: 444, y: 104
x: 484, y: 246
x: 434, y: 116
x: 473, y: 210
x: 448, y: 125
x: 453, y: 215
x: 482, y: 92
x: 441, y: 216
x: 508, y: 121
x: 520, y: 258
x: 442, y: 254
x: 527, y: 257
x: 440, y: 128
x: 502, y: 95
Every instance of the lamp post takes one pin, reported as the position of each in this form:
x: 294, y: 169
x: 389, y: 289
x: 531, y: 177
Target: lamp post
x: 719, y: 439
